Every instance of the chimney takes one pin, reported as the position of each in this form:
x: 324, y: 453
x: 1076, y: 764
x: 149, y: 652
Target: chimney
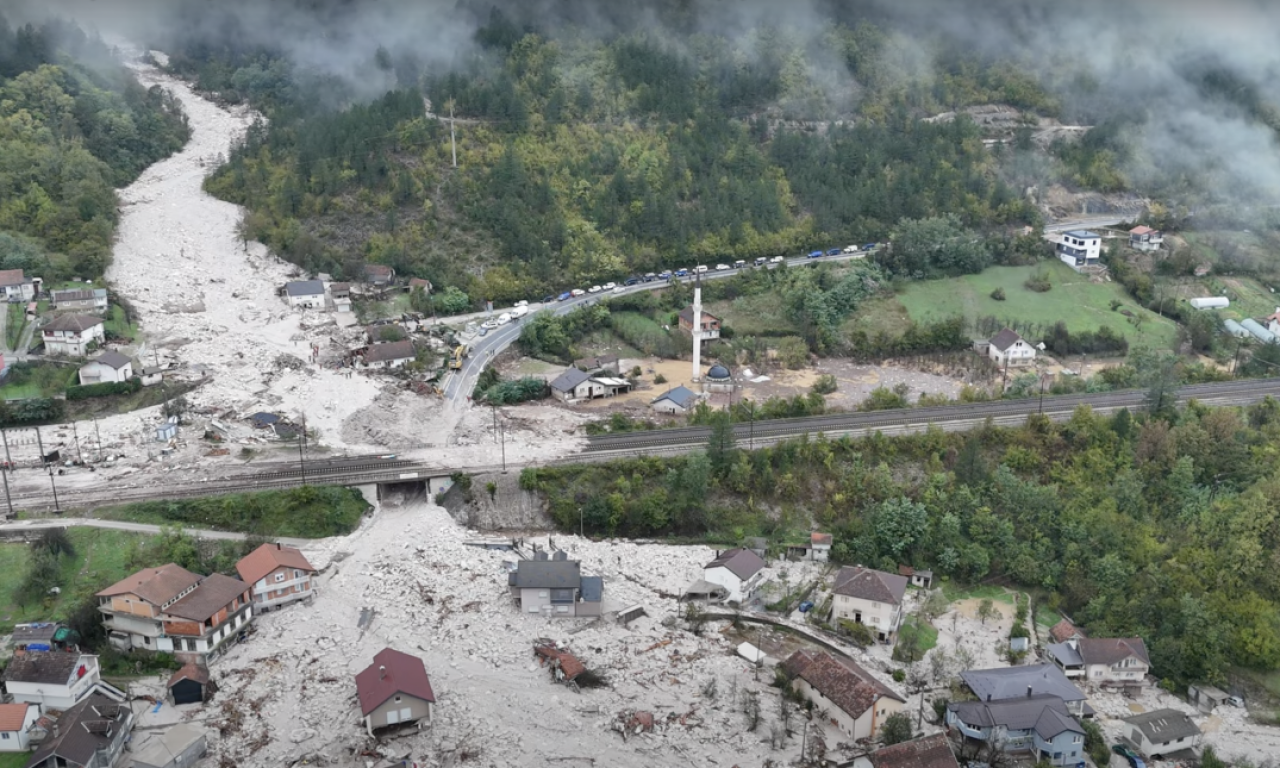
x: 278, y: 546
x: 382, y: 674
x: 1028, y: 691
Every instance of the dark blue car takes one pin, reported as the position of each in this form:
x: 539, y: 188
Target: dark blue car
x: 565, y: 296
x: 664, y: 275
x: 815, y: 254
x: 833, y: 252
x: 631, y: 281
x: 682, y: 273
x: 869, y: 247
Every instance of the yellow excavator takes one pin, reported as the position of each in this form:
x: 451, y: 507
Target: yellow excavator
x: 459, y: 354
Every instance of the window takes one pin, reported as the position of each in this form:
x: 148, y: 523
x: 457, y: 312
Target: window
x: 279, y: 577
x: 397, y: 699
x: 297, y: 574
x: 1075, y: 739
x: 4, y: 735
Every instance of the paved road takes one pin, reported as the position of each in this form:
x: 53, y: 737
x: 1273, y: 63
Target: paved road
x: 1087, y: 223
x: 483, y: 349
x: 117, y: 525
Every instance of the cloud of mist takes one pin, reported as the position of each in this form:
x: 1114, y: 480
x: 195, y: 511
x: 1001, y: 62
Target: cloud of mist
x: 1103, y: 58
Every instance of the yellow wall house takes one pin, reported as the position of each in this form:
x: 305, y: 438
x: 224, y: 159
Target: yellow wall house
x: 845, y: 693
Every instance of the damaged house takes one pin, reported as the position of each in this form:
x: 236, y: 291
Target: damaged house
x: 555, y: 586
x: 394, y: 690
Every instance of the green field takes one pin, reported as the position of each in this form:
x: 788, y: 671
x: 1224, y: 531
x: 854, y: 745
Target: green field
x: 118, y: 325
x: 1083, y: 305
x: 928, y: 634
x: 14, y: 759
x: 753, y: 315
x: 955, y: 592
x: 100, y: 560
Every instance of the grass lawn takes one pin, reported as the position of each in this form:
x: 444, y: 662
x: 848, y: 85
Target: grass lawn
x: 100, y: 560
x: 14, y: 759
x: 117, y: 325
x: 881, y: 314
x: 1047, y: 617
x: 1083, y: 305
x: 753, y: 315
x: 14, y: 322
x: 928, y: 635
x: 1249, y: 298
x: 954, y: 592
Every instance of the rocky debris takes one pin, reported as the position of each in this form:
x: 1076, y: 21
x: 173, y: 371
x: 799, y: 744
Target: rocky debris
x: 285, y: 360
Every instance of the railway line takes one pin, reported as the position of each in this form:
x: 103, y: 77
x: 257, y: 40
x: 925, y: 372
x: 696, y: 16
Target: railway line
x: 386, y: 468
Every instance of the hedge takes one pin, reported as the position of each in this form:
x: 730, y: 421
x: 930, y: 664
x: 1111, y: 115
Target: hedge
x: 104, y: 389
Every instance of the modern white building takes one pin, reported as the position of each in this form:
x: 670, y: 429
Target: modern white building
x: 15, y: 726
x: 15, y: 286
x: 1079, y: 248
x: 1161, y: 732
x: 739, y: 571
x: 869, y: 597
x: 308, y: 294
x: 72, y: 334
x: 108, y: 367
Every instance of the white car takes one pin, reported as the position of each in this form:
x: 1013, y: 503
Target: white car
x: 619, y: 288
x: 700, y: 268
x: 576, y: 292
x: 777, y: 259
x: 504, y: 318
x: 721, y: 267
x: 519, y: 312
x: 594, y: 289
x: 490, y: 324
x: 522, y: 303
x: 851, y: 249
x: 610, y: 286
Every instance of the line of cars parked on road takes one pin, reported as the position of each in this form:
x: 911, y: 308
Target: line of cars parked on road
x: 667, y: 275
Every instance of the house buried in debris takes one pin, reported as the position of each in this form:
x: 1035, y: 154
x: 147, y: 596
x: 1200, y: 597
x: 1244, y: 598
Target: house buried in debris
x: 851, y: 698
x: 394, y: 690
x: 554, y: 586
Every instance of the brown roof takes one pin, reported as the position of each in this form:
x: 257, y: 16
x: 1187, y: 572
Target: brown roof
x: 742, y: 563
x: 1110, y: 650
x: 393, y: 350
x: 846, y: 684
x: 1064, y: 631
x: 189, y: 672
x: 13, y: 716
x: 1005, y: 339
x: 214, y: 593
x: 686, y: 315
x: 377, y: 270
x: 11, y: 277
x: 269, y: 557
x: 75, y: 323
x: 84, y: 729
x: 155, y: 585
x: 72, y: 294
x: 45, y: 667
x: 390, y: 673
x: 417, y: 282
x: 868, y: 584
x: 820, y: 539
x: 932, y: 751
x: 569, y: 664
x: 1141, y: 230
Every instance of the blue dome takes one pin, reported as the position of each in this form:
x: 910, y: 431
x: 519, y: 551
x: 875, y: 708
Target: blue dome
x: 718, y: 372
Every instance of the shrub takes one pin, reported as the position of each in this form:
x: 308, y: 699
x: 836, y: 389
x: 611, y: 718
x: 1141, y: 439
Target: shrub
x: 825, y: 384
x: 899, y: 675
x: 998, y: 294
x: 1038, y: 282
x: 104, y: 389
x: 659, y: 379
x: 516, y: 391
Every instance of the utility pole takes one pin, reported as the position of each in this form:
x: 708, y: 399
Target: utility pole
x: 76, y: 434
x: 97, y: 436
x: 7, y: 500
x: 494, y: 407
x: 453, y: 142
x: 503, y: 432
x: 40, y: 445
x: 57, y: 508
x: 302, y: 463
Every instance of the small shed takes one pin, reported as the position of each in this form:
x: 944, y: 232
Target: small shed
x: 678, y: 400
x: 191, y: 685
x: 166, y: 432
x: 1210, y: 302
x: 180, y: 746
x: 1206, y: 697
x: 751, y: 653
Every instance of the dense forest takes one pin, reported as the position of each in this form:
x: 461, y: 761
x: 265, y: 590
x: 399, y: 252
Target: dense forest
x: 1164, y: 527
x: 74, y: 124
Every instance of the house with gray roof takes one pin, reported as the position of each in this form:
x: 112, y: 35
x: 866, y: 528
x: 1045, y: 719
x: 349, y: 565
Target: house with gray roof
x: 308, y: 294
x: 1032, y: 680
x: 870, y: 597
x: 571, y: 385
x: 1162, y: 734
x: 110, y: 366
x: 1008, y: 348
x: 553, y: 585
x: 84, y: 299
x: 91, y: 734
x: 739, y: 571
x: 1037, y: 723
x: 680, y: 399
x: 1103, y: 660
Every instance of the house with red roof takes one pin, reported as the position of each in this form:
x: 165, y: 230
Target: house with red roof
x: 1145, y: 238
x: 394, y: 690
x: 845, y: 694
x: 870, y: 597
x: 280, y: 575
x: 15, y: 726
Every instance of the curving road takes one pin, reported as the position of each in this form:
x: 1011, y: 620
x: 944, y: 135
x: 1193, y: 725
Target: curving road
x: 482, y: 350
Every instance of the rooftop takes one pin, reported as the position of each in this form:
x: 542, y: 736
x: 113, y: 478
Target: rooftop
x: 13, y: 716
x: 189, y: 672
x: 1064, y: 630
x: 571, y: 378
x: 1018, y: 714
x: 304, y: 288
x: 686, y: 315
x: 77, y: 323
x: 991, y: 685
x: 81, y: 733
x: 1164, y: 725
x: 843, y: 682
x: 681, y: 396
x: 933, y: 751
x: 547, y: 574
x: 45, y: 667
x: 214, y: 593
x: 1083, y: 234
x: 112, y: 359
x: 269, y: 557
x: 390, y: 673
x: 742, y: 563
x: 164, y: 749
x: 1005, y: 339
x: 868, y: 584
x: 155, y: 585
x: 392, y: 350
x: 11, y: 277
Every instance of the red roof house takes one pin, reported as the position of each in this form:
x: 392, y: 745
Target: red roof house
x: 394, y: 690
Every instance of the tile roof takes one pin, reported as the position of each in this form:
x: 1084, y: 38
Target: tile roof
x: 189, y: 672
x: 933, y: 751
x: 214, y: 593
x: 1141, y: 229
x: 392, y: 350
x: 1064, y: 631
x: 1005, y: 339
x: 76, y: 742
x: 77, y: 323
x: 820, y: 539
x: 377, y: 270
x: 681, y: 396
x: 34, y: 632
x: 155, y: 585
x: 399, y: 673
x: 742, y: 563
x: 112, y: 359
x: 1164, y: 725
x: 1016, y: 714
x: 11, y: 277
x: 570, y: 665
x: 847, y: 685
x: 547, y: 574
x: 45, y: 667
x: 1109, y: 650
x: 1012, y: 682
x: 72, y: 294
x: 269, y: 557
x: 571, y: 378
x: 868, y: 584
x: 13, y: 716
x: 304, y: 288
x: 686, y: 315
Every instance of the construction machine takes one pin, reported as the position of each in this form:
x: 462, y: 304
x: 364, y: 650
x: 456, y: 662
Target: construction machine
x: 459, y: 354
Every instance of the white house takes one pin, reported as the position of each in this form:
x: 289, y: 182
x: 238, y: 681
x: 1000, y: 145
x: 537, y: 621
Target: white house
x: 573, y: 384
x: 308, y: 294
x: 739, y: 571
x: 681, y: 399
x: 1104, y: 660
x: 1008, y: 348
x: 1160, y: 732
x: 51, y: 679
x: 845, y: 693
x: 393, y: 354
x: 1273, y: 325
x: 280, y: 575
x: 87, y: 299
x: 15, y: 720
x: 108, y: 367
x: 870, y: 597
x: 72, y: 334
x: 1144, y: 238
x: 1079, y: 248
x: 16, y: 286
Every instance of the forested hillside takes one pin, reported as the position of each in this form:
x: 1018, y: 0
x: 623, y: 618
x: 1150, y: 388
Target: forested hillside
x: 74, y: 124
x: 1165, y: 528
